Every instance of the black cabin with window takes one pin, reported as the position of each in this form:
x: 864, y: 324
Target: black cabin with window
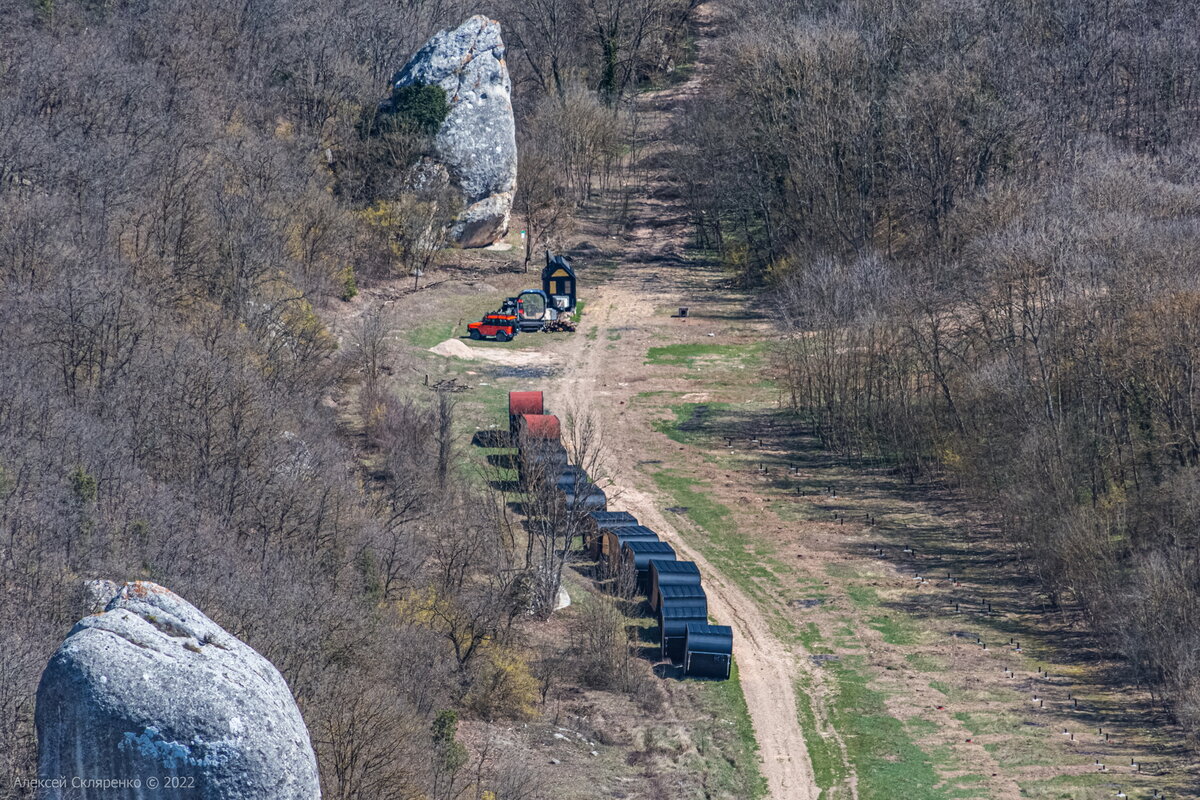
x: 558, y: 281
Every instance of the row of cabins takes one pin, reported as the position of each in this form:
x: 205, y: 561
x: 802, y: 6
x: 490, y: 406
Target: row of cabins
x: 672, y: 588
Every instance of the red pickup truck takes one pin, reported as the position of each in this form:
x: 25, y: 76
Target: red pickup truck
x: 501, y: 327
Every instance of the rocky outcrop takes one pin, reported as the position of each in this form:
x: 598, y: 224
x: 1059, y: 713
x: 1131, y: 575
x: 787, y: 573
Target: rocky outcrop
x: 477, y: 141
x: 153, y: 691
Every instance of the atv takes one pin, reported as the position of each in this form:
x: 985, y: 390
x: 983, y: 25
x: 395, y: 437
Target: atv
x: 501, y: 327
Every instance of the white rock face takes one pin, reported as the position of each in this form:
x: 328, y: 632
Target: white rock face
x: 477, y: 141
x: 153, y: 690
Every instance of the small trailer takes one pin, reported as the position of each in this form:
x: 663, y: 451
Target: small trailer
x: 670, y: 573
x: 673, y: 619
x: 599, y: 521
x: 708, y: 651
x: 637, y: 554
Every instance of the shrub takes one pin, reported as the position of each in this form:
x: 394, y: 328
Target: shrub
x: 419, y: 107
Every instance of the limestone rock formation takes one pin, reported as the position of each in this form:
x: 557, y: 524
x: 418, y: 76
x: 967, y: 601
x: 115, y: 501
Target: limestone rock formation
x: 153, y: 691
x: 477, y: 141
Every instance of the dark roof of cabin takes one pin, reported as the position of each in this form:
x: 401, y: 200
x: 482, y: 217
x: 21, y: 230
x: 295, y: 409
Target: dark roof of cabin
x: 704, y: 638
x: 678, y: 567
x: 570, y: 475
x: 612, y: 519
x: 677, y: 591
x: 684, y: 608
x: 631, y: 530
x: 556, y: 263
x: 582, y: 491
x: 613, y: 516
x: 642, y: 546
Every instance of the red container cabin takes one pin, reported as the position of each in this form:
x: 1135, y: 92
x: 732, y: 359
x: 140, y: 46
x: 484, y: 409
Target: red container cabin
x: 521, y: 403
x: 539, y: 427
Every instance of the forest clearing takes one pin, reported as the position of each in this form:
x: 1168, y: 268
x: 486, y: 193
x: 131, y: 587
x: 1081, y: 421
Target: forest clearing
x: 883, y: 317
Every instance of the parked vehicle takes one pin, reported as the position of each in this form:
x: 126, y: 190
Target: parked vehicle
x: 501, y: 327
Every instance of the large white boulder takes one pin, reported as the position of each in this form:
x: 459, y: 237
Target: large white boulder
x: 151, y: 691
x: 478, y: 139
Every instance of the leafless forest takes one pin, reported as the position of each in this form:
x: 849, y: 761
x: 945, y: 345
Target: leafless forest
x: 980, y: 223
x: 184, y: 187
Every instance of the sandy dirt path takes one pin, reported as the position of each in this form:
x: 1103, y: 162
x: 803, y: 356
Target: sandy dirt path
x: 653, y: 243
x: 768, y: 668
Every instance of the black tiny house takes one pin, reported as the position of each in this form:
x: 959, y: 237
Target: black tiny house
x: 639, y: 553
x: 600, y: 521
x: 673, y: 619
x: 558, y: 281
x: 667, y: 573
x: 708, y: 651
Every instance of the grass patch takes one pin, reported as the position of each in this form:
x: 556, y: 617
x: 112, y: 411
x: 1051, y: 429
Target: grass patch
x: 841, y: 571
x: 923, y: 727
x: 734, y: 553
x: 810, y: 637
x: 691, y: 422
x: 430, y: 334
x: 829, y: 768
x: 887, y: 760
x: 731, y: 752
x: 862, y: 596
x: 895, y: 630
x: 922, y: 662
x: 687, y: 354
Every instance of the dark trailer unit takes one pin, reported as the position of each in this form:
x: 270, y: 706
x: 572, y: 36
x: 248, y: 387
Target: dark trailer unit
x: 639, y: 553
x: 520, y: 404
x: 670, y: 573
x: 584, y: 497
x: 673, y: 618
x: 708, y: 651
x: 613, y: 539
x: 568, y: 476
x: 540, y: 458
x: 598, y: 522
x: 684, y: 591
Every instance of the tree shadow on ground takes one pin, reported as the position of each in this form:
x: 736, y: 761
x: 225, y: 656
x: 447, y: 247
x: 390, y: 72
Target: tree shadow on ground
x: 492, y: 439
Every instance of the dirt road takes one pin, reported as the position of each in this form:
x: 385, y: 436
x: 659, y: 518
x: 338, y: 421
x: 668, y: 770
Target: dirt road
x: 653, y: 246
